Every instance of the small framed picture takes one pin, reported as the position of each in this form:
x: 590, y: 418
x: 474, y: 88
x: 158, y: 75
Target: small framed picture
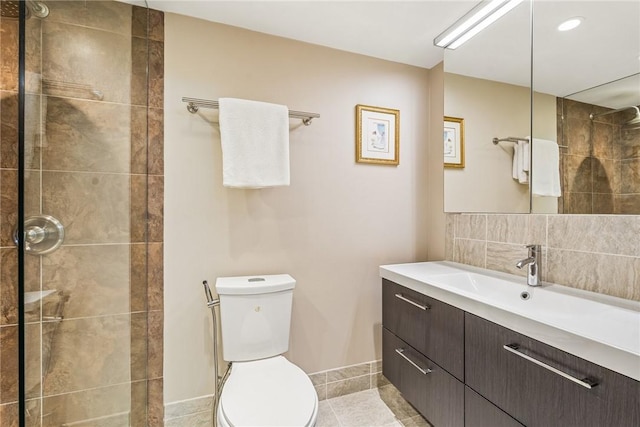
x: 377, y: 135
x: 453, y: 142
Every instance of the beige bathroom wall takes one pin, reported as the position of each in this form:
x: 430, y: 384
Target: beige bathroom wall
x: 330, y: 229
x: 434, y: 208
x: 492, y: 109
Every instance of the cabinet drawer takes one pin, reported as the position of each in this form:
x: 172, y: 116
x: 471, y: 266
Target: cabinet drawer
x: 479, y: 412
x: 430, y: 326
x: 435, y: 393
x: 532, y: 382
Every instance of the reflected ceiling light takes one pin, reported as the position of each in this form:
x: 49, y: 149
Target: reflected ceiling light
x: 570, y: 24
x: 478, y: 18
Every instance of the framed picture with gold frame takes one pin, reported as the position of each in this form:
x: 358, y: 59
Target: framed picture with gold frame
x: 453, y: 142
x: 377, y: 135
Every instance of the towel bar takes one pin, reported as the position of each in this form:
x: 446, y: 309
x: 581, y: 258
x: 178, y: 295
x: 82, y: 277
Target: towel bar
x: 516, y: 139
x: 193, y: 104
x: 510, y: 139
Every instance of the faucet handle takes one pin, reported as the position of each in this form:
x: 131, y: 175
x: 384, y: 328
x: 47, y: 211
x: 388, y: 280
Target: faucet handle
x: 534, y: 249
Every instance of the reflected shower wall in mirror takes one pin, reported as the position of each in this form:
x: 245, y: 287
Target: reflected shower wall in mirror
x: 599, y: 159
x: 594, y: 70
x: 600, y: 168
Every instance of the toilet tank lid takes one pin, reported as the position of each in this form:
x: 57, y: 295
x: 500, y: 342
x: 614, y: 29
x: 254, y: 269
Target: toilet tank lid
x: 249, y: 285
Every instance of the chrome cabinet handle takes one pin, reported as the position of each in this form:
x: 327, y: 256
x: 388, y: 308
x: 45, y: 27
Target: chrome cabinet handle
x: 420, y: 306
x: 425, y: 371
x: 586, y: 382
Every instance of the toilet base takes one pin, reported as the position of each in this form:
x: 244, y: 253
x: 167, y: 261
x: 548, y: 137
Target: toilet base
x: 270, y: 392
x: 222, y: 421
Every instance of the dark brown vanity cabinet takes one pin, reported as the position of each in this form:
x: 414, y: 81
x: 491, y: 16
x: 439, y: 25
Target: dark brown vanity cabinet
x: 479, y: 412
x: 430, y: 326
x: 459, y: 369
x: 540, y: 385
x: 423, y: 353
x: 435, y: 393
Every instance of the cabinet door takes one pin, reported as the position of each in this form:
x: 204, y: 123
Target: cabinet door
x: 435, y: 393
x: 430, y: 326
x: 479, y: 412
x: 514, y: 380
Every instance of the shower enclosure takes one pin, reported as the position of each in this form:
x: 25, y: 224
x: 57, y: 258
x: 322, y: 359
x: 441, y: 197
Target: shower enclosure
x: 598, y: 171
x: 80, y: 214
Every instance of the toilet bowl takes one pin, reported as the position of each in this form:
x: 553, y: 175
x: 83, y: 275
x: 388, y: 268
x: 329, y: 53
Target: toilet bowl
x: 264, y: 389
x: 271, y: 392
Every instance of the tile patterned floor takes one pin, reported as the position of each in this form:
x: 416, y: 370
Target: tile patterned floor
x: 379, y: 407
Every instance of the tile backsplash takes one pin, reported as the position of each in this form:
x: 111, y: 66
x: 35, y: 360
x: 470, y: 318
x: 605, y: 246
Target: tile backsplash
x: 598, y: 253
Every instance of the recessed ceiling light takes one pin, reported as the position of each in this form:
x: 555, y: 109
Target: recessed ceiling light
x: 570, y: 24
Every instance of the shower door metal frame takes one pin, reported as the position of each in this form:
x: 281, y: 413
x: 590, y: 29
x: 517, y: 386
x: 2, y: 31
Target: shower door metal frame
x: 20, y: 226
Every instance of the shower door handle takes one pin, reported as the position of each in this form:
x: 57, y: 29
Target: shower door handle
x: 43, y: 234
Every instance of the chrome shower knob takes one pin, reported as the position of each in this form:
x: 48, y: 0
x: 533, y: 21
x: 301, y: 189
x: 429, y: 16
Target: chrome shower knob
x: 43, y: 234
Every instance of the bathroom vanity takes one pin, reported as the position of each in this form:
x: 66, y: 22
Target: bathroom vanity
x: 471, y: 347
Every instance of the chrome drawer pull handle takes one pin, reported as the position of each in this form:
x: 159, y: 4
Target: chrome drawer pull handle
x: 420, y: 306
x: 425, y: 371
x: 587, y: 383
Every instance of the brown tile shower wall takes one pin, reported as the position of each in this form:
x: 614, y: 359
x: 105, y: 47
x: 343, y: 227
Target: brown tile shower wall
x: 96, y: 163
x: 597, y: 253
x: 601, y: 166
x: 147, y: 168
x: 8, y: 215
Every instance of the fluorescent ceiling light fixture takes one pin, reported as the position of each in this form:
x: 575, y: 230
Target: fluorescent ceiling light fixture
x: 570, y: 24
x: 478, y: 18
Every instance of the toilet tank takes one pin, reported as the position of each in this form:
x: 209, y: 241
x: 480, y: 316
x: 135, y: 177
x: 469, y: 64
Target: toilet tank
x: 255, y: 315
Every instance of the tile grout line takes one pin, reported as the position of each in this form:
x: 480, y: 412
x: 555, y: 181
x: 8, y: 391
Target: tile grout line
x: 335, y: 414
x: 344, y: 367
x: 193, y: 414
x: 486, y: 239
x: 546, y: 244
x: 556, y: 248
x: 347, y: 379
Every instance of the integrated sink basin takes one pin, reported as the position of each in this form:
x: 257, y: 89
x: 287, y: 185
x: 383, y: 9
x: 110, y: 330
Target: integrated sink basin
x: 596, y: 327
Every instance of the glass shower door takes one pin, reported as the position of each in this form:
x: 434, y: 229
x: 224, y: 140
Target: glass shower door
x: 85, y: 212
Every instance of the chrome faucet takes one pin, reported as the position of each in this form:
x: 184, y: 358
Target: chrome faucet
x: 533, y: 263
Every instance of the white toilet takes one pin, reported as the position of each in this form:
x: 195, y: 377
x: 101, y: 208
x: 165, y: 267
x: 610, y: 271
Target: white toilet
x: 263, y: 389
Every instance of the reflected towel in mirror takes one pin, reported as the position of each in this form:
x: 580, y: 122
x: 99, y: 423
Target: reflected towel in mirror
x: 521, y: 162
x: 545, y: 179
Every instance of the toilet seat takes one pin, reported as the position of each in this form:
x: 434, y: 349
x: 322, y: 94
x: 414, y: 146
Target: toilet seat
x: 268, y: 392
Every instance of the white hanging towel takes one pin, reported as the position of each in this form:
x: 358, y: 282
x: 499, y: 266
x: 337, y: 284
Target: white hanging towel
x: 255, y: 143
x: 526, y: 161
x: 520, y: 163
x: 545, y: 179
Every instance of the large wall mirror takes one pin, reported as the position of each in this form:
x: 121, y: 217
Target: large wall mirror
x: 567, y: 122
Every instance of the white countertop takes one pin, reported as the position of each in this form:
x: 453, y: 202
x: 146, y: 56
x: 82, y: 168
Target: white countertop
x: 596, y: 327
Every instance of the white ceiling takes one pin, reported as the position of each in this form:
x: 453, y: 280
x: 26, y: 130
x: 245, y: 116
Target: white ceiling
x: 400, y: 31
x: 605, y: 48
